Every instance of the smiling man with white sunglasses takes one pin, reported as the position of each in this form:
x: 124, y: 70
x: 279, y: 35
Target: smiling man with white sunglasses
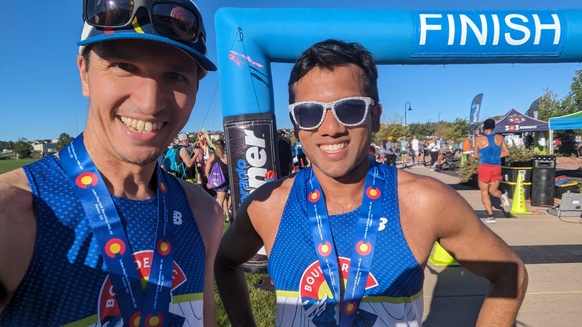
x: 348, y: 238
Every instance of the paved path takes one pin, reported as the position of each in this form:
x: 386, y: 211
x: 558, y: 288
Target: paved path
x: 550, y: 246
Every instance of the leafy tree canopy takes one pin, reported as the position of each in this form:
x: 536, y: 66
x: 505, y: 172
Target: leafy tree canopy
x: 23, y: 148
x: 63, y: 140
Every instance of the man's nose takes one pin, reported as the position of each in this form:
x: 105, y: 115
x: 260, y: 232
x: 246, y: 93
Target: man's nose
x: 150, y: 96
x: 330, y: 124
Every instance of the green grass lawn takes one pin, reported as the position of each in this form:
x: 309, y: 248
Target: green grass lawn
x: 263, y: 302
x: 7, y: 165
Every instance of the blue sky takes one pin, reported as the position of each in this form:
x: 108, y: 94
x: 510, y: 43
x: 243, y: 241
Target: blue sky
x: 40, y: 94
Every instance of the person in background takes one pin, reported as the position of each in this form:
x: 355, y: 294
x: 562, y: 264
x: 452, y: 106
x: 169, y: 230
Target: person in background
x: 187, y: 156
x: 467, y: 145
x: 390, y: 152
x: 372, y: 151
x: 422, y: 150
x: 415, y: 150
x: 557, y: 144
x: 489, y: 149
x: 285, y: 158
x: 528, y: 141
x: 220, y: 158
x: 433, y: 151
x: 198, y: 157
x: 346, y: 209
x: 151, y: 259
x: 404, y: 149
x: 382, y: 155
x: 440, y: 143
x: 302, y: 160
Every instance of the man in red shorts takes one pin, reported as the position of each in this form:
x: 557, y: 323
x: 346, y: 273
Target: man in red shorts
x: 489, y: 149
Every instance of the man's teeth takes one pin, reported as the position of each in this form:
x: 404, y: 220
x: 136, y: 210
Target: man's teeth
x: 333, y: 147
x: 140, y: 126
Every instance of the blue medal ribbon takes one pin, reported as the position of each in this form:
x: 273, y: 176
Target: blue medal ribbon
x: 365, y: 241
x: 151, y: 308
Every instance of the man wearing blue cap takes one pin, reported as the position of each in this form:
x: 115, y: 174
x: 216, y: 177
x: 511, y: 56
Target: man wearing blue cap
x: 99, y: 234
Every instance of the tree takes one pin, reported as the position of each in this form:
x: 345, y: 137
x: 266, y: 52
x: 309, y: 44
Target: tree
x: 549, y: 106
x: 573, y: 102
x: 459, y: 129
x: 22, y: 148
x: 63, y: 140
x: 395, y: 130
x: 421, y: 130
x: 391, y: 125
x: 6, y: 145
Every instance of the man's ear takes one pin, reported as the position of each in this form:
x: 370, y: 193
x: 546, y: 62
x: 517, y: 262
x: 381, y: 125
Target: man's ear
x: 81, y: 65
x: 376, y: 113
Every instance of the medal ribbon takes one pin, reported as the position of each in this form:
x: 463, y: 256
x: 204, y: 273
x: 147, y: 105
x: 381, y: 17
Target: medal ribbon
x: 151, y: 308
x: 365, y: 241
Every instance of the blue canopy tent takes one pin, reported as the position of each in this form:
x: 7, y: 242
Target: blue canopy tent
x: 567, y: 122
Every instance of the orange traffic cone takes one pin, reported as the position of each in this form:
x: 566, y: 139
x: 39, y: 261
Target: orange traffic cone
x: 518, y: 205
x: 440, y: 257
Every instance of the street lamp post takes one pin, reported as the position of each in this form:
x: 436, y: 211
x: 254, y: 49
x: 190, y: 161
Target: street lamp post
x: 440, y: 117
x: 405, y: 110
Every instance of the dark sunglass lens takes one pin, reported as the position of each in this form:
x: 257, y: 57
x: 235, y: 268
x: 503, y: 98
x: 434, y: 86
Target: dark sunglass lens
x: 109, y: 13
x: 350, y: 111
x: 174, y: 21
x: 308, y: 115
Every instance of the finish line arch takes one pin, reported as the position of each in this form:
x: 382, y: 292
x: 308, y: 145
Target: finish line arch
x: 249, y: 40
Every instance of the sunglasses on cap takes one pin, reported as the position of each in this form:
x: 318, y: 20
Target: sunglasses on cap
x: 351, y: 111
x: 178, y: 20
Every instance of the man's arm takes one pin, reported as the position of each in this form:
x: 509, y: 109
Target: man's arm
x: 432, y: 211
x: 208, y: 215
x: 239, y: 244
x: 476, y: 147
x: 256, y: 224
x: 504, y: 148
x: 17, y: 232
x: 485, y: 254
x: 186, y: 158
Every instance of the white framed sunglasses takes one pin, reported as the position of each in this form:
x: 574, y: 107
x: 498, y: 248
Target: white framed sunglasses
x: 350, y: 111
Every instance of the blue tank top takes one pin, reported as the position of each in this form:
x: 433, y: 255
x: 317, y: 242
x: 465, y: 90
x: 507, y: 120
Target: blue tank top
x: 66, y: 285
x: 394, y: 287
x: 491, y: 154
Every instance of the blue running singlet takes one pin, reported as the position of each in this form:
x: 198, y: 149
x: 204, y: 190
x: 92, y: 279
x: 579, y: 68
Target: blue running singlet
x: 66, y: 283
x: 491, y: 154
x: 393, y: 291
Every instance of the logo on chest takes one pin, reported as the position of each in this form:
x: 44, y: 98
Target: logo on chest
x: 109, y: 310
x: 314, y: 286
x: 314, y: 291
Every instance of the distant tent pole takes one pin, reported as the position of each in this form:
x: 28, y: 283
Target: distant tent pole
x: 550, y: 142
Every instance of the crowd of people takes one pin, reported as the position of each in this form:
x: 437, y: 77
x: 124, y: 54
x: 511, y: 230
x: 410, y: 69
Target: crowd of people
x: 194, y: 159
x: 99, y: 234
x: 428, y: 152
x: 291, y: 157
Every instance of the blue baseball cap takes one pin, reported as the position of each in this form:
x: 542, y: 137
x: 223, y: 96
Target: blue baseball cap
x: 143, y: 29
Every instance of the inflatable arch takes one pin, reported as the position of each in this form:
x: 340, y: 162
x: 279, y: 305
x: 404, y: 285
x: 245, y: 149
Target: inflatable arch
x: 248, y: 40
